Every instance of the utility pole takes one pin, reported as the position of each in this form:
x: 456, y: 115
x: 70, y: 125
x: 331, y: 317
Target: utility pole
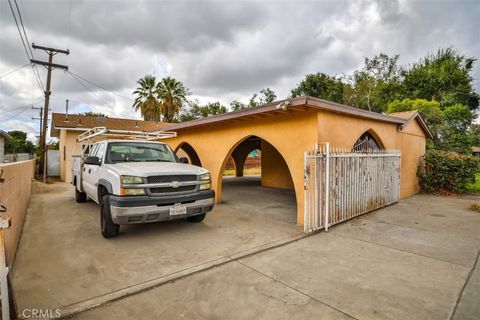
x: 41, y: 120
x: 49, y: 65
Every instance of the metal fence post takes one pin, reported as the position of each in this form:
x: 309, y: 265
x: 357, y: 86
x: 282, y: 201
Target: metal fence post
x: 4, y: 224
x: 327, y: 184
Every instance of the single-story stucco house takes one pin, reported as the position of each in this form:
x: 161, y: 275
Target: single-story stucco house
x: 282, y: 130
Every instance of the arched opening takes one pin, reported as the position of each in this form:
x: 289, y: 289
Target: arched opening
x: 186, y: 150
x: 257, y: 180
x: 368, y: 142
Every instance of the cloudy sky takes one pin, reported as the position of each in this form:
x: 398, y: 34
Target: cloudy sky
x: 221, y: 50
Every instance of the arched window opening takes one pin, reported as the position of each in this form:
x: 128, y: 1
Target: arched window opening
x: 367, y: 143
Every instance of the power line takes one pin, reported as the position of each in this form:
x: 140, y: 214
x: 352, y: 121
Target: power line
x: 89, y: 89
x: 23, y: 28
x: 35, y: 69
x: 25, y: 46
x: 99, y: 86
x: 25, y: 108
x: 13, y: 71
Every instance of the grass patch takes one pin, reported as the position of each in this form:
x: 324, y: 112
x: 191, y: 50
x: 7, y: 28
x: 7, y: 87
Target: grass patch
x: 475, y: 187
x: 246, y: 172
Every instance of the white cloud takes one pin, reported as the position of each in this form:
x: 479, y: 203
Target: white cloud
x: 220, y: 50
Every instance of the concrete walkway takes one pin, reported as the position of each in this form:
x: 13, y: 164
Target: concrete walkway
x: 64, y: 262
x: 413, y: 260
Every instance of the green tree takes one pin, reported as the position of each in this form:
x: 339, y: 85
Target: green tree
x: 196, y: 111
x: 322, y: 86
x: 237, y: 105
x: 455, y: 134
x: 147, y: 100
x: 19, y: 143
x: 475, y: 130
x: 267, y: 96
x: 444, y: 77
x: 375, y: 85
x: 172, y: 95
x: 212, y: 108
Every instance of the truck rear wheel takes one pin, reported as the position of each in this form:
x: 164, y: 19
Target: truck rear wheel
x: 80, y: 196
x: 197, y: 218
x: 108, y: 228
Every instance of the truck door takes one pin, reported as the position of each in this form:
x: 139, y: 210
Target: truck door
x: 89, y: 174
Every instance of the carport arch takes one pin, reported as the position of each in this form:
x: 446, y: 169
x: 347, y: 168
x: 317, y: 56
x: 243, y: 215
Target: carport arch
x: 239, y: 155
x: 192, y: 154
x: 219, y: 179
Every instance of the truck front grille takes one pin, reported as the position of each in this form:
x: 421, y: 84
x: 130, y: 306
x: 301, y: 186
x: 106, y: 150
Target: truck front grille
x: 170, y: 178
x: 167, y: 190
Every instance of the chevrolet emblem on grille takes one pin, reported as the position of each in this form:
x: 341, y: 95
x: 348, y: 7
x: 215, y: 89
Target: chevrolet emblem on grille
x: 175, y: 184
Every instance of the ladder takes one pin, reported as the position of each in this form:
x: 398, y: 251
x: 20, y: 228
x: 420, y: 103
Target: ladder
x: 124, y: 134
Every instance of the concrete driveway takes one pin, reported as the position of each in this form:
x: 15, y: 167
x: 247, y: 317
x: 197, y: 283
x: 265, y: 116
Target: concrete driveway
x: 63, y: 261
x: 413, y: 260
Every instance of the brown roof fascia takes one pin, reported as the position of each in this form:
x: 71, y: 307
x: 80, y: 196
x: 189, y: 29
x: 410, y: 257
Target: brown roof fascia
x: 234, y: 114
x: 344, y: 109
x: 422, y: 123
x: 303, y: 102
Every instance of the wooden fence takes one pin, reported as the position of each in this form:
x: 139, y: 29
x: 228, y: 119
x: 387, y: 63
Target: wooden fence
x: 341, y: 184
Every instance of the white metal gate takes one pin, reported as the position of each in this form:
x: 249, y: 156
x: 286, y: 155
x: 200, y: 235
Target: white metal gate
x: 341, y: 184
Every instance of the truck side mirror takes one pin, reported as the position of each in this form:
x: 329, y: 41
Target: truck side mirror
x: 184, y: 160
x: 93, y: 161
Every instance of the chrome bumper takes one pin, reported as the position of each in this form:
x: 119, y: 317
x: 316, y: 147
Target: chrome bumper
x: 156, y: 213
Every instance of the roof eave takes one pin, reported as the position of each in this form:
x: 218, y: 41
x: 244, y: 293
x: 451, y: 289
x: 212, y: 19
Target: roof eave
x: 307, y: 101
x: 422, y: 122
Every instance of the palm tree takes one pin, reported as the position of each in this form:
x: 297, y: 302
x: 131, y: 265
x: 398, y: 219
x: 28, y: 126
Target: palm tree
x: 172, y: 95
x: 147, y: 100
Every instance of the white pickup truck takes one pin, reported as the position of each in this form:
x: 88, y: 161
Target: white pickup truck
x: 140, y: 182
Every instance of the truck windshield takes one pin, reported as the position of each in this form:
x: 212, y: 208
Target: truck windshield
x: 139, y: 152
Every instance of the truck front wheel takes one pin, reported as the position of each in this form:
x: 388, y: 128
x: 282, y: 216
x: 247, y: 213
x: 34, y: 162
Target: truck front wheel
x: 109, y: 229
x: 80, y: 196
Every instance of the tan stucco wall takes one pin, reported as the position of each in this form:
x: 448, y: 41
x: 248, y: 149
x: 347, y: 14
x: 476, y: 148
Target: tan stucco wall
x: 67, y: 147
x: 343, y: 131
x: 412, y: 143
x: 14, y: 195
x: 275, y: 172
x: 214, y: 144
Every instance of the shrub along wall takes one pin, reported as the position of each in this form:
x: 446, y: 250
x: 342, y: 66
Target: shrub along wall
x: 447, y: 171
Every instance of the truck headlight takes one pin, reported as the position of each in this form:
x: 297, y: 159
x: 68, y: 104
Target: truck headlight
x: 130, y: 179
x: 205, y: 181
x: 205, y: 177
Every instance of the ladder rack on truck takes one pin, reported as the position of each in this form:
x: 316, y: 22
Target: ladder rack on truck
x: 136, y: 135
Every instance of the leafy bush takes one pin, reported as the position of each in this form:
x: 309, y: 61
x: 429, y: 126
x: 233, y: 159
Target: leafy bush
x: 447, y: 171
